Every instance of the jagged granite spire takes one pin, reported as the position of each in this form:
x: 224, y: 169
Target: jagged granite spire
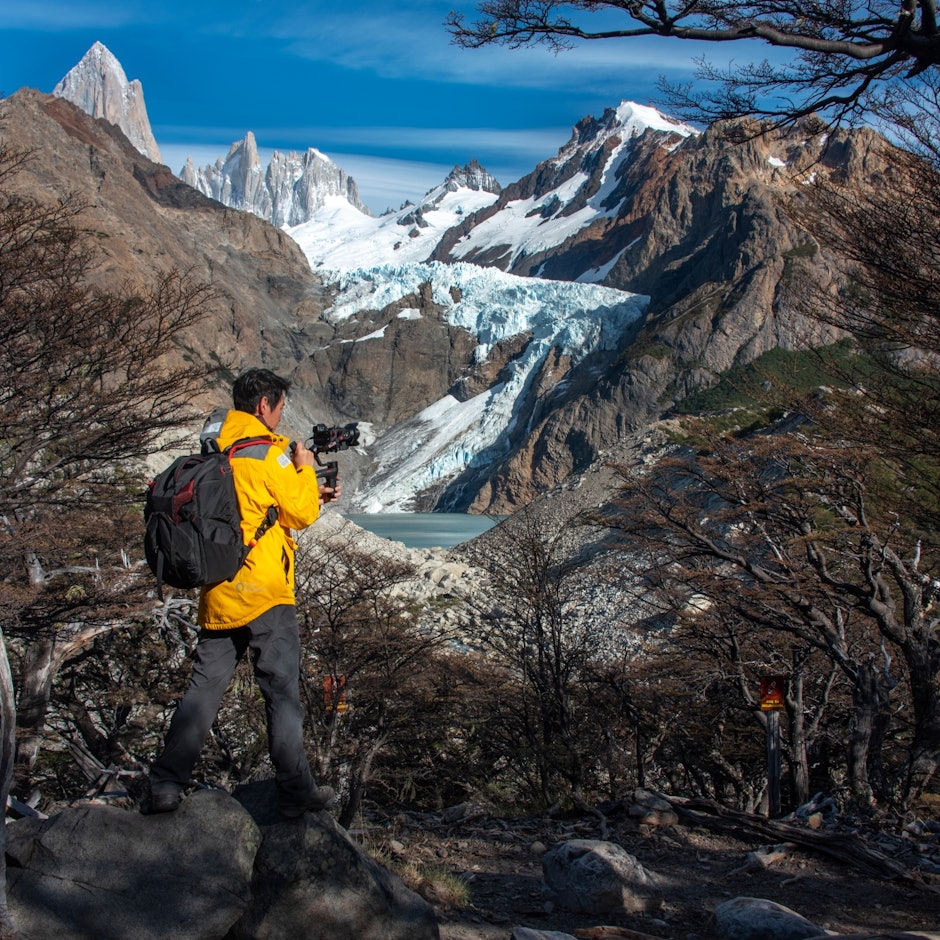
x: 100, y: 88
x: 288, y: 192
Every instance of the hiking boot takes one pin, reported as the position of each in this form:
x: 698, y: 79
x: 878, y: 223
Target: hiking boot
x: 321, y: 798
x: 163, y: 801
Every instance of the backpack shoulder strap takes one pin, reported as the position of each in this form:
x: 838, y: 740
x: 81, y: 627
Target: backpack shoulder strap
x: 270, y: 517
x: 246, y: 442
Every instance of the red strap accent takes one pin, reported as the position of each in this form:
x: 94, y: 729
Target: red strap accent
x: 248, y: 442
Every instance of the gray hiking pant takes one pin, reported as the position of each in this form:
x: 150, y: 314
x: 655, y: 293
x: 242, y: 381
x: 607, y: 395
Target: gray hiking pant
x: 274, y: 642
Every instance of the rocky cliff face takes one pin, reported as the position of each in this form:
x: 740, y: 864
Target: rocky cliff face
x: 701, y: 226
x: 267, y: 303
x: 288, y: 192
x: 99, y: 87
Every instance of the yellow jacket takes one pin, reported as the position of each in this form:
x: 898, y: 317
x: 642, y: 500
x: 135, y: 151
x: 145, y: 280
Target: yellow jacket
x: 264, y: 477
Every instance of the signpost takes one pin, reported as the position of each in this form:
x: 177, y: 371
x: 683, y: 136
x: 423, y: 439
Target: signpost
x: 772, y: 702
x: 334, y: 694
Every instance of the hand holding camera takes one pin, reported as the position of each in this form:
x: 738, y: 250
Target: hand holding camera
x: 326, y: 440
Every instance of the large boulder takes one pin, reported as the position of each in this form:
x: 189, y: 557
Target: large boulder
x: 597, y: 878
x: 98, y: 872
x: 216, y: 868
x: 311, y: 880
x: 757, y: 918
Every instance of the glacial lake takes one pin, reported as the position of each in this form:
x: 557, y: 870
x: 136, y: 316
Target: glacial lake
x: 424, y: 529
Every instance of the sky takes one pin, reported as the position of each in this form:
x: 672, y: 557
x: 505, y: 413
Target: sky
x: 377, y: 87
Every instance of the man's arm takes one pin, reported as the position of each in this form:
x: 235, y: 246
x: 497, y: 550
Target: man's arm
x: 292, y: 482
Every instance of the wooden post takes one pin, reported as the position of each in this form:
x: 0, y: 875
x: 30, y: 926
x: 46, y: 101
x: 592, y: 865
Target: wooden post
x: 772, y: 703
x: 773, y: 764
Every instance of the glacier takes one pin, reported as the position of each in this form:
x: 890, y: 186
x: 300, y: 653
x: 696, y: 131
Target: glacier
x: 450, y: 436
x: 374, y: 262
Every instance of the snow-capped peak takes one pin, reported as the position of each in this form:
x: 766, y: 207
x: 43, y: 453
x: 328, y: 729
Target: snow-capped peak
x: 289, y: 192
x: 639, y: 117
x: 338, y: 238
x: 472, y: 176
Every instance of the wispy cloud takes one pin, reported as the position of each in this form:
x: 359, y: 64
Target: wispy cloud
x: 540, y: 142
x: 398, y: 46
x: 60, y: 15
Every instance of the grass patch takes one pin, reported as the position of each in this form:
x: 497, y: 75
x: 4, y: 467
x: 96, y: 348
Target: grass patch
x: 752, y: 387
x: 433, y: 882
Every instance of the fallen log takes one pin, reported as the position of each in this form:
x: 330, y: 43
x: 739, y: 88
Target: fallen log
x: 845, y: 847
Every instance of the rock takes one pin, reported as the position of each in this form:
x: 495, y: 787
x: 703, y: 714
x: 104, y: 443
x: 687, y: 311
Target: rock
x: 598, y: 877
x: 758, y: 919
x: 213, y: 869
x: 651, y: 809
x: 311, y: 880
x: 98, y: 872
x: 463, y: 812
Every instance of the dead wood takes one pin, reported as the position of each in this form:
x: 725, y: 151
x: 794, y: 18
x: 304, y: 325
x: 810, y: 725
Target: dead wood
x: 608, y: 933
x: 845, y: 847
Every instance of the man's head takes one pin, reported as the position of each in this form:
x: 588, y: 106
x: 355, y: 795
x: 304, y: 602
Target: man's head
x: 261, y: 393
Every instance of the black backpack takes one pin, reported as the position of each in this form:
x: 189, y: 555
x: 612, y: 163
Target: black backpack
x: 193, y: 529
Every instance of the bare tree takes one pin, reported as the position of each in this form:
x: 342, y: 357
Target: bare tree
x: 847, y: 54
x: 93, y: 381
x: 775, y: 531
x: 540, y: 649
x: 375, y: 675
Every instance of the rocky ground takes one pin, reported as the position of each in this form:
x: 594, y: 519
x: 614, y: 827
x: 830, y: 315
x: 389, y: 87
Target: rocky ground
x: 698, y: 869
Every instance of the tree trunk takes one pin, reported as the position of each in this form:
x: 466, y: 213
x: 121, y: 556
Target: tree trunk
x: 39, y: 669
x: 925, y: 697
x: 44, y: 657
x: 865, y: 700
x: 358, y: 784
x: 799, y: 751
x: 7, y: 744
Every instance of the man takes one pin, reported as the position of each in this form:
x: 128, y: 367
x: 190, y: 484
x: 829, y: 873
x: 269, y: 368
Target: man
x: 255, y: 610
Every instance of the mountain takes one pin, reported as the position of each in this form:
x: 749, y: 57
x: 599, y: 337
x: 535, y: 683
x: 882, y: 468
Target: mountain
x: 635, y: 201
x: 340, y: 238
x: 470, y: 218
x: 703, y: 228
x: 146, y: 221
x: 566, y: 199
x: 100, y: 88
x: 479, y: 386
x: 290, y: 191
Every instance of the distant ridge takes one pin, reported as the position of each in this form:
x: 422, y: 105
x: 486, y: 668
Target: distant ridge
x: 100, y: 88
x: 292, y: 188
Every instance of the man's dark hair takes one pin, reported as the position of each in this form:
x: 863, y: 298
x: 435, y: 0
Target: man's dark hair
x: 251, y: 386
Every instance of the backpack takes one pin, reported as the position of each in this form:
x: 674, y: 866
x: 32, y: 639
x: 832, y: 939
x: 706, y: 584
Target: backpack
x: 193, y: 528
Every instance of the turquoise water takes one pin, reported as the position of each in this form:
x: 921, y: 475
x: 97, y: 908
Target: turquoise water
x: 424, y: 529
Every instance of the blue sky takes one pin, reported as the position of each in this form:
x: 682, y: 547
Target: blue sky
x: 378, y: 87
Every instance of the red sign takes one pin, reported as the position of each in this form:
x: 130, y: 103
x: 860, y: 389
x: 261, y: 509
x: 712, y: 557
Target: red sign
x: 771, y: 693
x: 334, y: 693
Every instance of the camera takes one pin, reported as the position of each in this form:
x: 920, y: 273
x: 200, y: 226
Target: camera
x: 328, y: 440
